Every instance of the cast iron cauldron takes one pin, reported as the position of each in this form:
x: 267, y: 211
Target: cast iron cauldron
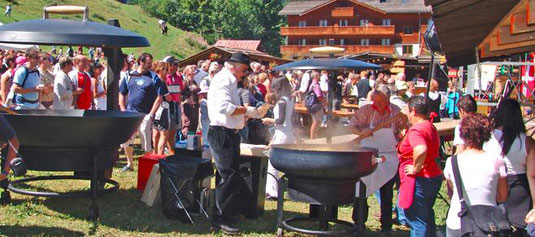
x: 65, y: 140
x: 323, y: 174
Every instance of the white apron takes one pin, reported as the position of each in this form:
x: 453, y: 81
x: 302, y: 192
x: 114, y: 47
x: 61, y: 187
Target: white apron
x: 385, y: 141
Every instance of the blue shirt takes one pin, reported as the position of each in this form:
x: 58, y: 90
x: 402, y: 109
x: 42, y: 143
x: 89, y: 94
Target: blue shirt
x: 142, y: 91
x: 33, y: 79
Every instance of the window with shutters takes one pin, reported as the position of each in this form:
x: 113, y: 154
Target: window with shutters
x: 365, y: 42
x: 343, y: 23
x: 386, y: 22
x: 363, y: 22
x: 323, y: 23
x: 302, y: 23
x: 385, y: 41
x: 302, y: 42
x: 322, y: 42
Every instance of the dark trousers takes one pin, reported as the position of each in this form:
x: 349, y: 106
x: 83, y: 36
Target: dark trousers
x: 225, y: 148
x: 386, y: 206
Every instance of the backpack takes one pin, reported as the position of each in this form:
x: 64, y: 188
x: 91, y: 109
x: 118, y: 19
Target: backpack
x: 312, y: 102
x: 17, y: 97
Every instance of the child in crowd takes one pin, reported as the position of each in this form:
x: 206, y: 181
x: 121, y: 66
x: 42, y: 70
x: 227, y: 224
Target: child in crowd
x: 281, y: 92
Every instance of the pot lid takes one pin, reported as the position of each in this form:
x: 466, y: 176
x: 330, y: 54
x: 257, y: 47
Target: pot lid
x: 70, y: 32
x: 327, y: 64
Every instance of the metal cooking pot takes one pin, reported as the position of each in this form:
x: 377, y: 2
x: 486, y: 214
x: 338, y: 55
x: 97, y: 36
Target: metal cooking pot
x: 323, y: 161
x: 67, y: 140
x: 323, y: 174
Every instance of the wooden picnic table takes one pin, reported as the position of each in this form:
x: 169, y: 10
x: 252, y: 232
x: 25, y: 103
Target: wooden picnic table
x: 349, y: 106
x: 337, y: 113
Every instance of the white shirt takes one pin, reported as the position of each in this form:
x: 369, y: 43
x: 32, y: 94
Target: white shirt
x: 492, y: 146
x: 324, y: 83
x: 515, y: 159
x: 305, y: 81
x: 223, y: 99
x: 73, y: 75
x: 481, y: 184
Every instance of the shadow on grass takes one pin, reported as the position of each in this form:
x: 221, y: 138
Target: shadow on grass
x: 123, y: 210
x: 17, y: 230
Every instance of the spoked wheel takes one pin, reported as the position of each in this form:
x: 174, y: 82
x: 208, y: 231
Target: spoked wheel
x: 5, y: 198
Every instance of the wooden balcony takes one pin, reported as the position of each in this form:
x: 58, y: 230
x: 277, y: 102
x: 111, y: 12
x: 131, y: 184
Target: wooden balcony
x: 337, y: 30
x: 343, y: 12
x: 350, y: 49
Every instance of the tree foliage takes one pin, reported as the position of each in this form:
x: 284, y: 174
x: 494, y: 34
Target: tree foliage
x: 223, y: 19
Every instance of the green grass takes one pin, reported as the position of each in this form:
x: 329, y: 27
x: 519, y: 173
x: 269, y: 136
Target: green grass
x: 123, y: 214
x: 180, y: 43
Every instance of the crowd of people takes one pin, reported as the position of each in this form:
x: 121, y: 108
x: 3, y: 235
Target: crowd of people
x: 231, y: 102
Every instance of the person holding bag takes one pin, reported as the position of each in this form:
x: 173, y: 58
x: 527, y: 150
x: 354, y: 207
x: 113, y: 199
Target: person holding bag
x: 518, y: 151
x: 476, y: 191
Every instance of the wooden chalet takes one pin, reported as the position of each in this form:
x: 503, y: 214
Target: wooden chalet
x: 359, y: 26
x: 223, y: 49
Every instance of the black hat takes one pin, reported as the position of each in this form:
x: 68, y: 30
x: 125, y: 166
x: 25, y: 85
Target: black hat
x: 239, y: 57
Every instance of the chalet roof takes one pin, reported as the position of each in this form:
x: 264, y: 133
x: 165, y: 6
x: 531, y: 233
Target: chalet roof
x: 225, y: 53
x: 251, y: 45
x: 301, y: 7
x: 462, y: 25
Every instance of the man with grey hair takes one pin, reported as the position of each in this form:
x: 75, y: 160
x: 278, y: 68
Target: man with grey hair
x: 385, y: 140
x: 227, y: 117
x: 64, y: 88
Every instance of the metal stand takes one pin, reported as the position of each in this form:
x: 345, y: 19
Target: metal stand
x: 93, y: 193
x: 323, y: 219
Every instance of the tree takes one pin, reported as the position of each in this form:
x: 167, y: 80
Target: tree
x: 229, y: 19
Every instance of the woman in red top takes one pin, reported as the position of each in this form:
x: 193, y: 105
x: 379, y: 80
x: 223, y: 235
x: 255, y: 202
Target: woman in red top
x: 419, y: 173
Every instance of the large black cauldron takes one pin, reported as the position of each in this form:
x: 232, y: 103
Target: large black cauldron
x: 323, y: 174
x: 73, y: 140
x: 66, y: 140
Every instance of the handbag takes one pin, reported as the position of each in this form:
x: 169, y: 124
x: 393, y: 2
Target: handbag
x: 479, y: 220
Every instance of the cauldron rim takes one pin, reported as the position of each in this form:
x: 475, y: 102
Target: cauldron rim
x: 75, y: 113
x: 330, y: 148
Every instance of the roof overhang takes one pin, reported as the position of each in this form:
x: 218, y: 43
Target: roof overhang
x: 463, y: 25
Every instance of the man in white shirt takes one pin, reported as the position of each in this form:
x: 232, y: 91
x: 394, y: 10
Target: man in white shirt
x: 467, y: 105
x: 227, y: 117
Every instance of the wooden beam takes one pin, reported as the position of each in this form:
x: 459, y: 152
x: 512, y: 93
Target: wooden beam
x: 519, y: 24
x: 530, y: 11
x: 504, y: 37
x: 495, y: 46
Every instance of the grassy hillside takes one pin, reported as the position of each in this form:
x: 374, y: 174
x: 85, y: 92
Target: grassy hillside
x: 131, y: 17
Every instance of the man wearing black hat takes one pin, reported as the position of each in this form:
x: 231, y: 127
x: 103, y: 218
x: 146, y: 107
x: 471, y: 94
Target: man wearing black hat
x: 227, y: 117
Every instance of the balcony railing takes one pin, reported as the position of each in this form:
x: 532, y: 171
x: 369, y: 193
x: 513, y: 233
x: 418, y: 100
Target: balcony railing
x: 350, y: 49
x: 337, y: 30
x: 343, y: 12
